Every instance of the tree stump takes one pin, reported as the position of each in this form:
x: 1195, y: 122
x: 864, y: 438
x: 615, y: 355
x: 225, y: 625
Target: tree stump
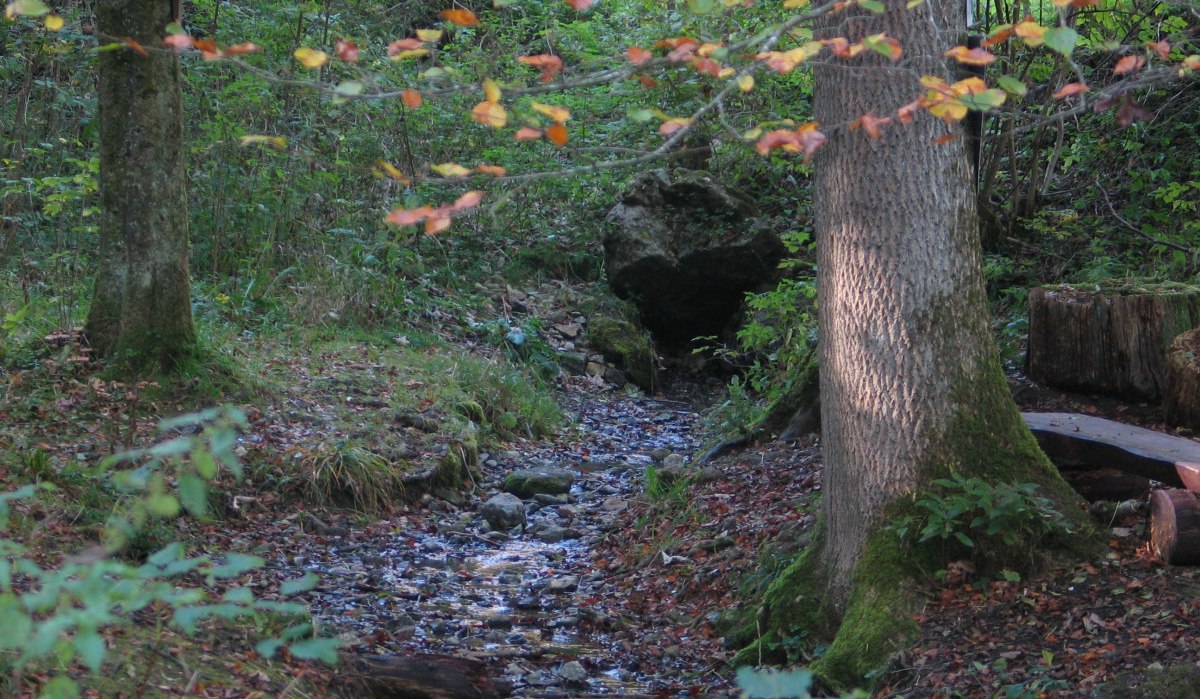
x: 1181, y: 395
x: 1112, y: 342
x: 1175, y: 526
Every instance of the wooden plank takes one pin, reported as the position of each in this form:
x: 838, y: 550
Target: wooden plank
x: 1175, y: 526
x: 1189, y: 473
x: 1072, y: 440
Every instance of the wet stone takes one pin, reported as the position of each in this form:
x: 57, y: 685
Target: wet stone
x: 567, y: 583
x: 553, y: 533
x: 516, y: 639
x: 548, y: 499
x: 531, y: 481
x: 573, y: 673
x: 499, y: 621
x: 504, y: 511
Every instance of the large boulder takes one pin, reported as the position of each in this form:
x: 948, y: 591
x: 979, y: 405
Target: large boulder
x: 504, y: 511
x: 685, y: 250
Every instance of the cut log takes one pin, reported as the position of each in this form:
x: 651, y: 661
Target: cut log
x: 1181, y: 395
x: 1083, y: 441
x: 1108, y: 342
x: 1175, y: 526
x: 427, y: 676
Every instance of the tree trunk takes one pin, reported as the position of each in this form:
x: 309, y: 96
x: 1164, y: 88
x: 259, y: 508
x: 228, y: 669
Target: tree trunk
x: 1181, y: 399
x: 912, y: 388
x: 141, y: 305
x: 1111, y: 342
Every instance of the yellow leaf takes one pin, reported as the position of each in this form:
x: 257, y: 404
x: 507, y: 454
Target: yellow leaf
x: 430, y: 35
x: 450, y: 170
x: 557, y: 114
x: 409, y: 53
x: 793, y: 4
x: 1030, y: 31
x: 490, y: 114
x: 276, y: 142
x: 53, y: 22
x: 491, y: 91
x: 746, y: 83
x: 311, y: 58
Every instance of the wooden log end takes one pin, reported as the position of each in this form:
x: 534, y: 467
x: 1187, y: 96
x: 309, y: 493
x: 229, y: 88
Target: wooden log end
x: 1175, y: 526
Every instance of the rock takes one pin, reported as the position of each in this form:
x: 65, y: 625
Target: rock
x: 673, y: 461
x: 685, y: 249
x: 708, y: 474
x: 567, y: 583
x: 629, y: 346
x: 614, y: 505
x: 553, y: 533
x: 528, y: 482
x: 548, y: 499
x: 504, y: 511
x: 573, y: 673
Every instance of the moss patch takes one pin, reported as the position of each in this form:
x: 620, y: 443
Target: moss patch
x: 627, y: 344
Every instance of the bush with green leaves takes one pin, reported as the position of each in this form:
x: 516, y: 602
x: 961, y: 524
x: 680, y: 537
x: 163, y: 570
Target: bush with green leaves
x: 54, y: 616
x: 980, y: 519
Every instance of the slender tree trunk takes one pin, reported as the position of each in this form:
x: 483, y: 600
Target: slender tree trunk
x: 141, y: 306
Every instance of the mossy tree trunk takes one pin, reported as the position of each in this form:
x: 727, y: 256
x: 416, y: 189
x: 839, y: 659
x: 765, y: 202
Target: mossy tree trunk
x: 911, y: 384
x: 141, y: 304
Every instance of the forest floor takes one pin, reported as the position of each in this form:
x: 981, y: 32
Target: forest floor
x: 613, y: 587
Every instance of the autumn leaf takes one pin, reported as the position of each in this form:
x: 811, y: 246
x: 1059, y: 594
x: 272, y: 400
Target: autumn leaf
x: 53, y: 22
x: 998, y: 36
x: 179, y: 42
x: 436, y: 224
x: 1162, y: 48
x: 557, y: 133
x: 403, y: 45
x: 638, y: 55
x: 460, y: 17
x: 408, y: 217
x: 346, y: 50
x: 411, y: 98
x: 387, y: 169
x: 276, y: 142
x: 491, y: 91
x: 707, y: 66
x: 885, y: 46
x: 138, y: 48
x: 493, y: 170
x: 580, y: 5
x: 647, y: 82
x: 311, y: 58
x: 490, y: 114
x: 241, y: 49
x: 526, y: 133
x: 1069, y: 90
x: 1030, y: 31
x: 1129, y: 64
x: 906, y: 113
x: 452, y: 170
x: 947, y: 138
x: 556, y: 114
x: 548, y: 63
x: 469, y: 200
x: 411, y: 53
x: 745, y: 83
x: 871, y: 124
x: 673, y: 124
x: 971, y: 57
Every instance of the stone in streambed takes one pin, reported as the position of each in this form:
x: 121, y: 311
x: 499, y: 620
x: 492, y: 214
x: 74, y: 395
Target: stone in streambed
x: 528, y: 482
x: 504, y: 511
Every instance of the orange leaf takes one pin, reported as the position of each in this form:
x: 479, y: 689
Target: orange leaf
x: 557, y: 133
x: 459, y: 16
x: 971, y: 57
x: 670, y: 126
x: 242, y: 48
x: 647, y: 81
x: 131, y: 43
x: 490, y: 114
x: 871, y: 124
x: 407, y: 217
x: 493, y: 170
x: 945, y: 139
x: 346, y: 50
x: 1129, y: 64
x: 638, y: 55
x: 779, y: 138
x: 905, y: 113
x: 550, y: 64
x: 469, y: 200
x: 404, y: 45
x: 436, y: 224
x: 1069, y: 90
x: 179, y: 42
x: 580, y: 5
x: 1000, y: 35
x: 1162, y: 48
x: 411, y: 98
x: 207, y: 48
x: 557, y: 114
x: 526, y: 133
x: 707, y: 66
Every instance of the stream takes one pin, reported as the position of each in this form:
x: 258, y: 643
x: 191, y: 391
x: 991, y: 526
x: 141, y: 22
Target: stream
x: 526, y: 601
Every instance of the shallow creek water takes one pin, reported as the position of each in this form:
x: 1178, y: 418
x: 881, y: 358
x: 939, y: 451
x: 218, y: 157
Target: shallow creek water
x: 525, y: 603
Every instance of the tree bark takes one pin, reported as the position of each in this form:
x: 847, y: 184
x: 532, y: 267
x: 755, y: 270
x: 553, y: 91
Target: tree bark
x: 141, y: 305
x: 1181, y: 399
x: 1111, y: 342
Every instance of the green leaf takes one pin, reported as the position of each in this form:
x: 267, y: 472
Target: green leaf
x: 172, y: 447
x: 194, y: 494
x: 304, y: 584
x: 17, y: 624
x: 239, y: 595
x: 235, y: 564
x: 349, y: 88
x: 701, y: 7
x: 1012, y: 86
x: 59, y: 688
x: 872, y: 6
x: 90, y: 646
x: 1061, y: 39
x: 641, y: 115
x: 964, y: 540
x: 28, y: 8
x: 205, y: 464
x: 162, y: 505
x: 323, y: 649
x: 268, y: 647
x: 983, y: 101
